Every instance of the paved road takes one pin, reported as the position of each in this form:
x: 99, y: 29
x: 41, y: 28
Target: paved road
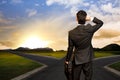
x: 55, y: 69
x: 45, y: 60
x: 100, y: 73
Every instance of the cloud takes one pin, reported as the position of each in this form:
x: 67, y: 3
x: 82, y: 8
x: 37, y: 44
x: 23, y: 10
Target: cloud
x: 6, y: 43
x: 117, y: 3
x: 99, y: 43
x: 7, y: 28
x: 16, y: 1
x: 31, y: 12
x: 107, y: 34
x: 72, y: 4
x: 109, y: 13
x: 3, y: 2
x: 3, y: 47
x: 6, y: 24
x: 102, y: 8
x: 11, y: 39
x: 37, y: 4
x: 74, y: 10
x: 63, y: 2
x: 108, y: 8
x: 3, y: 20
x: 117, y: 41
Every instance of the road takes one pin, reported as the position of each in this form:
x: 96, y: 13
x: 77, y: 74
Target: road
x: 55, y: 69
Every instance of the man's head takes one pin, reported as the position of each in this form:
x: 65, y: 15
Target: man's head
x: 81, y: 17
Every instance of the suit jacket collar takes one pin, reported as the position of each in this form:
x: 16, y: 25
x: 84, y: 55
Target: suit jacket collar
x: 80, y: 26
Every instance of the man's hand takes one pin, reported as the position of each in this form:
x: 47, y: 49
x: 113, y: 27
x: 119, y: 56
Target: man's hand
x: 66, y: 62
x: 88, y: 18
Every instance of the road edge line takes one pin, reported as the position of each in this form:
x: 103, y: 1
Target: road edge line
x: 108, y: 68
x: 27, y: 74
x: 106, y: 57
x: 112, y: 69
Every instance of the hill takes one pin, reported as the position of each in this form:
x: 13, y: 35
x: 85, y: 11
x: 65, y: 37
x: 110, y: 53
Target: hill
x: 36, y: 49
x: 110, y: 47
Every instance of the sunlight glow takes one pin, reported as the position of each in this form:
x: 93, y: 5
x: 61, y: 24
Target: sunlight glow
x: 34, y: 42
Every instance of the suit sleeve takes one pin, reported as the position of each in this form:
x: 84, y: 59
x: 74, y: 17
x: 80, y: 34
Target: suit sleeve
x: 98, y: 24
x: 70, y: 48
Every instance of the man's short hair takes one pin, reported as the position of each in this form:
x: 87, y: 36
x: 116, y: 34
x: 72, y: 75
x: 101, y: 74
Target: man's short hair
x: 81, y: 17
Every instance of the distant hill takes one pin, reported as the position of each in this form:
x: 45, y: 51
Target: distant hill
x: 110, y: 47
x: 22, y: 48
x: 36, y: 49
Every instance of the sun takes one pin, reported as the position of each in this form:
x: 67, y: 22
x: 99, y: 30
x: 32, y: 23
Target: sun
x: 34, y: 42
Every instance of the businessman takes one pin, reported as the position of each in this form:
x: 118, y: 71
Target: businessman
x: 79, y: 45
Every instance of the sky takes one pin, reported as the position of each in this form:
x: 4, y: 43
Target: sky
x: 45, y: 23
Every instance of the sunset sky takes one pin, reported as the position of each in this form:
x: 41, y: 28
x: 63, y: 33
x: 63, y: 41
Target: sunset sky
x: 45, y: 23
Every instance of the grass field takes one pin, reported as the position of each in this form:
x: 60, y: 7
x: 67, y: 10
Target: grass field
x: 106, y: 53
x: 62, y: 54
x: 50, y: 54
x: 116, y: 66
x: 12, y: 65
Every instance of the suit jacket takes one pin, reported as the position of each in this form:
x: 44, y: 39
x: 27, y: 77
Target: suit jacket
x: 79, y: 42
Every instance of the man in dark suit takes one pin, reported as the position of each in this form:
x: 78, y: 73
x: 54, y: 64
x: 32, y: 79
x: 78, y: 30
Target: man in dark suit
x: 79, y: 45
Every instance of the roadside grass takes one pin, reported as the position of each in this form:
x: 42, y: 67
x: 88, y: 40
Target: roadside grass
x: 56, y: 54
x: 116, y: 66
x: 99, y: 54
x: 12, y: 65
x: 63, y: 53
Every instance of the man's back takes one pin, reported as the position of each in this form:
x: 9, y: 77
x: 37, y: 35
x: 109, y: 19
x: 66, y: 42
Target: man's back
x: 82, y: 42
x: 80, y: 38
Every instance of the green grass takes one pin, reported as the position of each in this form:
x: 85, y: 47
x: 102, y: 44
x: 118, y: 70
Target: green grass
x: 12, y: 65
x: 62, y: 54
x: 50, y: 54
x: 54, y: 54
x: 116, y: 66
x: 106, y: 53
